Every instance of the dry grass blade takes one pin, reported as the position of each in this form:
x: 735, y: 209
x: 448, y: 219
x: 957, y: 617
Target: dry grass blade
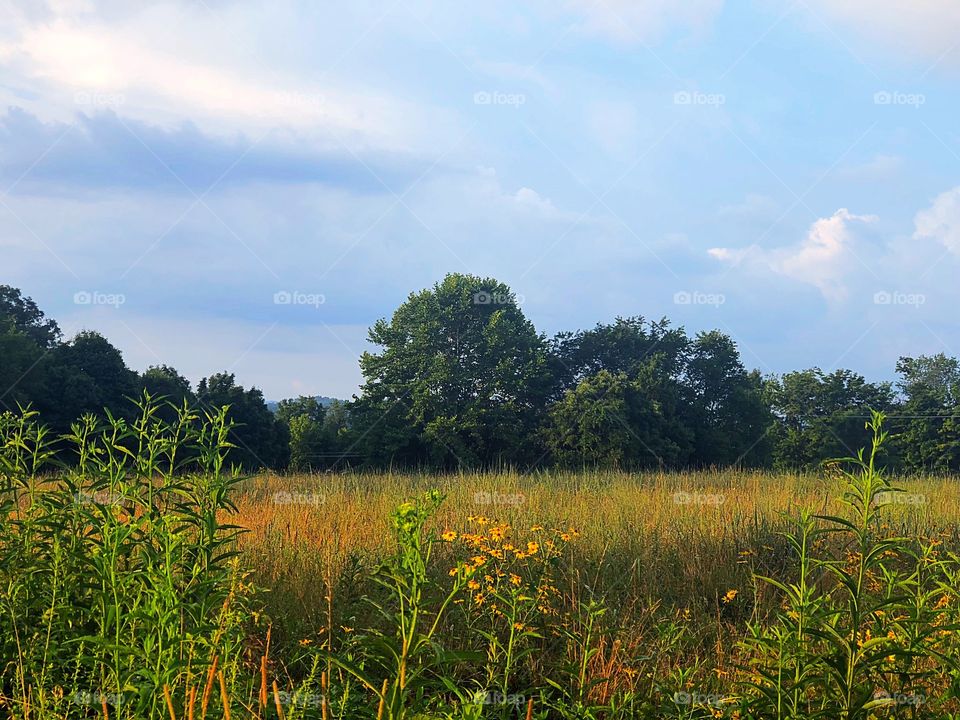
x: 224, y: 697
x: 205, y: 699
x: 276, y: 701
x: 169, y: 701
x: 383, y: 701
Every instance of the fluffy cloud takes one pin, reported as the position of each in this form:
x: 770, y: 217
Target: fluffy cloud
x: 108, y: 150
x: 941, y: 221
x: 821, y: 259
x: 925, y: 28
x: 77, y: 62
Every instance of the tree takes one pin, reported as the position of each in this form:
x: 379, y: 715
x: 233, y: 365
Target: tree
x: 26, y: 337
x: 306, y: 443
x: 623, y: 346
x: 304, y: 417
x: 301, y: 406
x: 727, y: 410
x: 460, y: 379
x: 88, y: 375
x: 165, y: 381
x: 821, y: 415
x: 261, y: 439
x: 588, y: 425
x: 24, y: 315
x: 614, y: 420
x: 929, y: 432
x: 22, y: 370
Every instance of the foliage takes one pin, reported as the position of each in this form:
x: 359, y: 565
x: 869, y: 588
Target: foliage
x: 460, y: 379
x: 258, y: 438
x: 821, y: 415
x: 410, y: 659
x: 929, y: 433
x: 125, y: 595
x: 22, y: 315
x: 861, y: 626
x: 119, y: 579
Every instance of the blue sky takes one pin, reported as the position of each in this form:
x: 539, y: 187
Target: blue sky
x: 249, y: 185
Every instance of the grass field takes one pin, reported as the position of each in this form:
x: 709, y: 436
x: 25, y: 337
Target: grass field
x: 139, y: 584
x: 670, y: 557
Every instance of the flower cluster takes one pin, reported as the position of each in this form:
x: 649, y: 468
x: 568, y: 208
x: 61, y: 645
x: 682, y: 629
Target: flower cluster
x: 504, y: 568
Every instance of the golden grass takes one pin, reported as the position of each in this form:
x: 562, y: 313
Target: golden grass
x: 683, y: 540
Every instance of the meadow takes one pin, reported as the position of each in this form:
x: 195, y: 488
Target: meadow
x: 149, y: 580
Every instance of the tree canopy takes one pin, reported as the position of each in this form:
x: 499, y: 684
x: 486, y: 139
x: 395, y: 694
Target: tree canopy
x: 458, y: 377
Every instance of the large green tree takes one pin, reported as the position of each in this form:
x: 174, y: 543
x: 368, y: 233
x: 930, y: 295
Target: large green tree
x: 24, y: 316
x: 261, y: 439
x: 616, y: 420
x: 821, y: 415
x: 928, y: 429
x: 304, y: 417
x: 88, y: 375
x: 26, y: 338
x: 726, y: 408
x: 460, y: 378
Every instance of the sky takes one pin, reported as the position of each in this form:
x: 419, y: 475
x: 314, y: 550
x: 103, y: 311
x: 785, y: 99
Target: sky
x: 248, y: 186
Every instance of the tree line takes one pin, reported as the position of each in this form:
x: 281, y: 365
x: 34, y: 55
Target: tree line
x: 460, y: 378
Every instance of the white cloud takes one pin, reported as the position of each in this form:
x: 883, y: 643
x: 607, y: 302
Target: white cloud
x: 925, y: 28
x: 941, y: 221
x: 531, y: 198
x: 132, y: 67
x: 822, y: 258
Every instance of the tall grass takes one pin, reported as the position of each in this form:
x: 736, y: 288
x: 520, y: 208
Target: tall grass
x: 144, y: 579
x: 119, y: 579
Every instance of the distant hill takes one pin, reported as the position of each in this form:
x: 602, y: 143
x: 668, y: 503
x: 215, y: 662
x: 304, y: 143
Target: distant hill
x: 322, y: 399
